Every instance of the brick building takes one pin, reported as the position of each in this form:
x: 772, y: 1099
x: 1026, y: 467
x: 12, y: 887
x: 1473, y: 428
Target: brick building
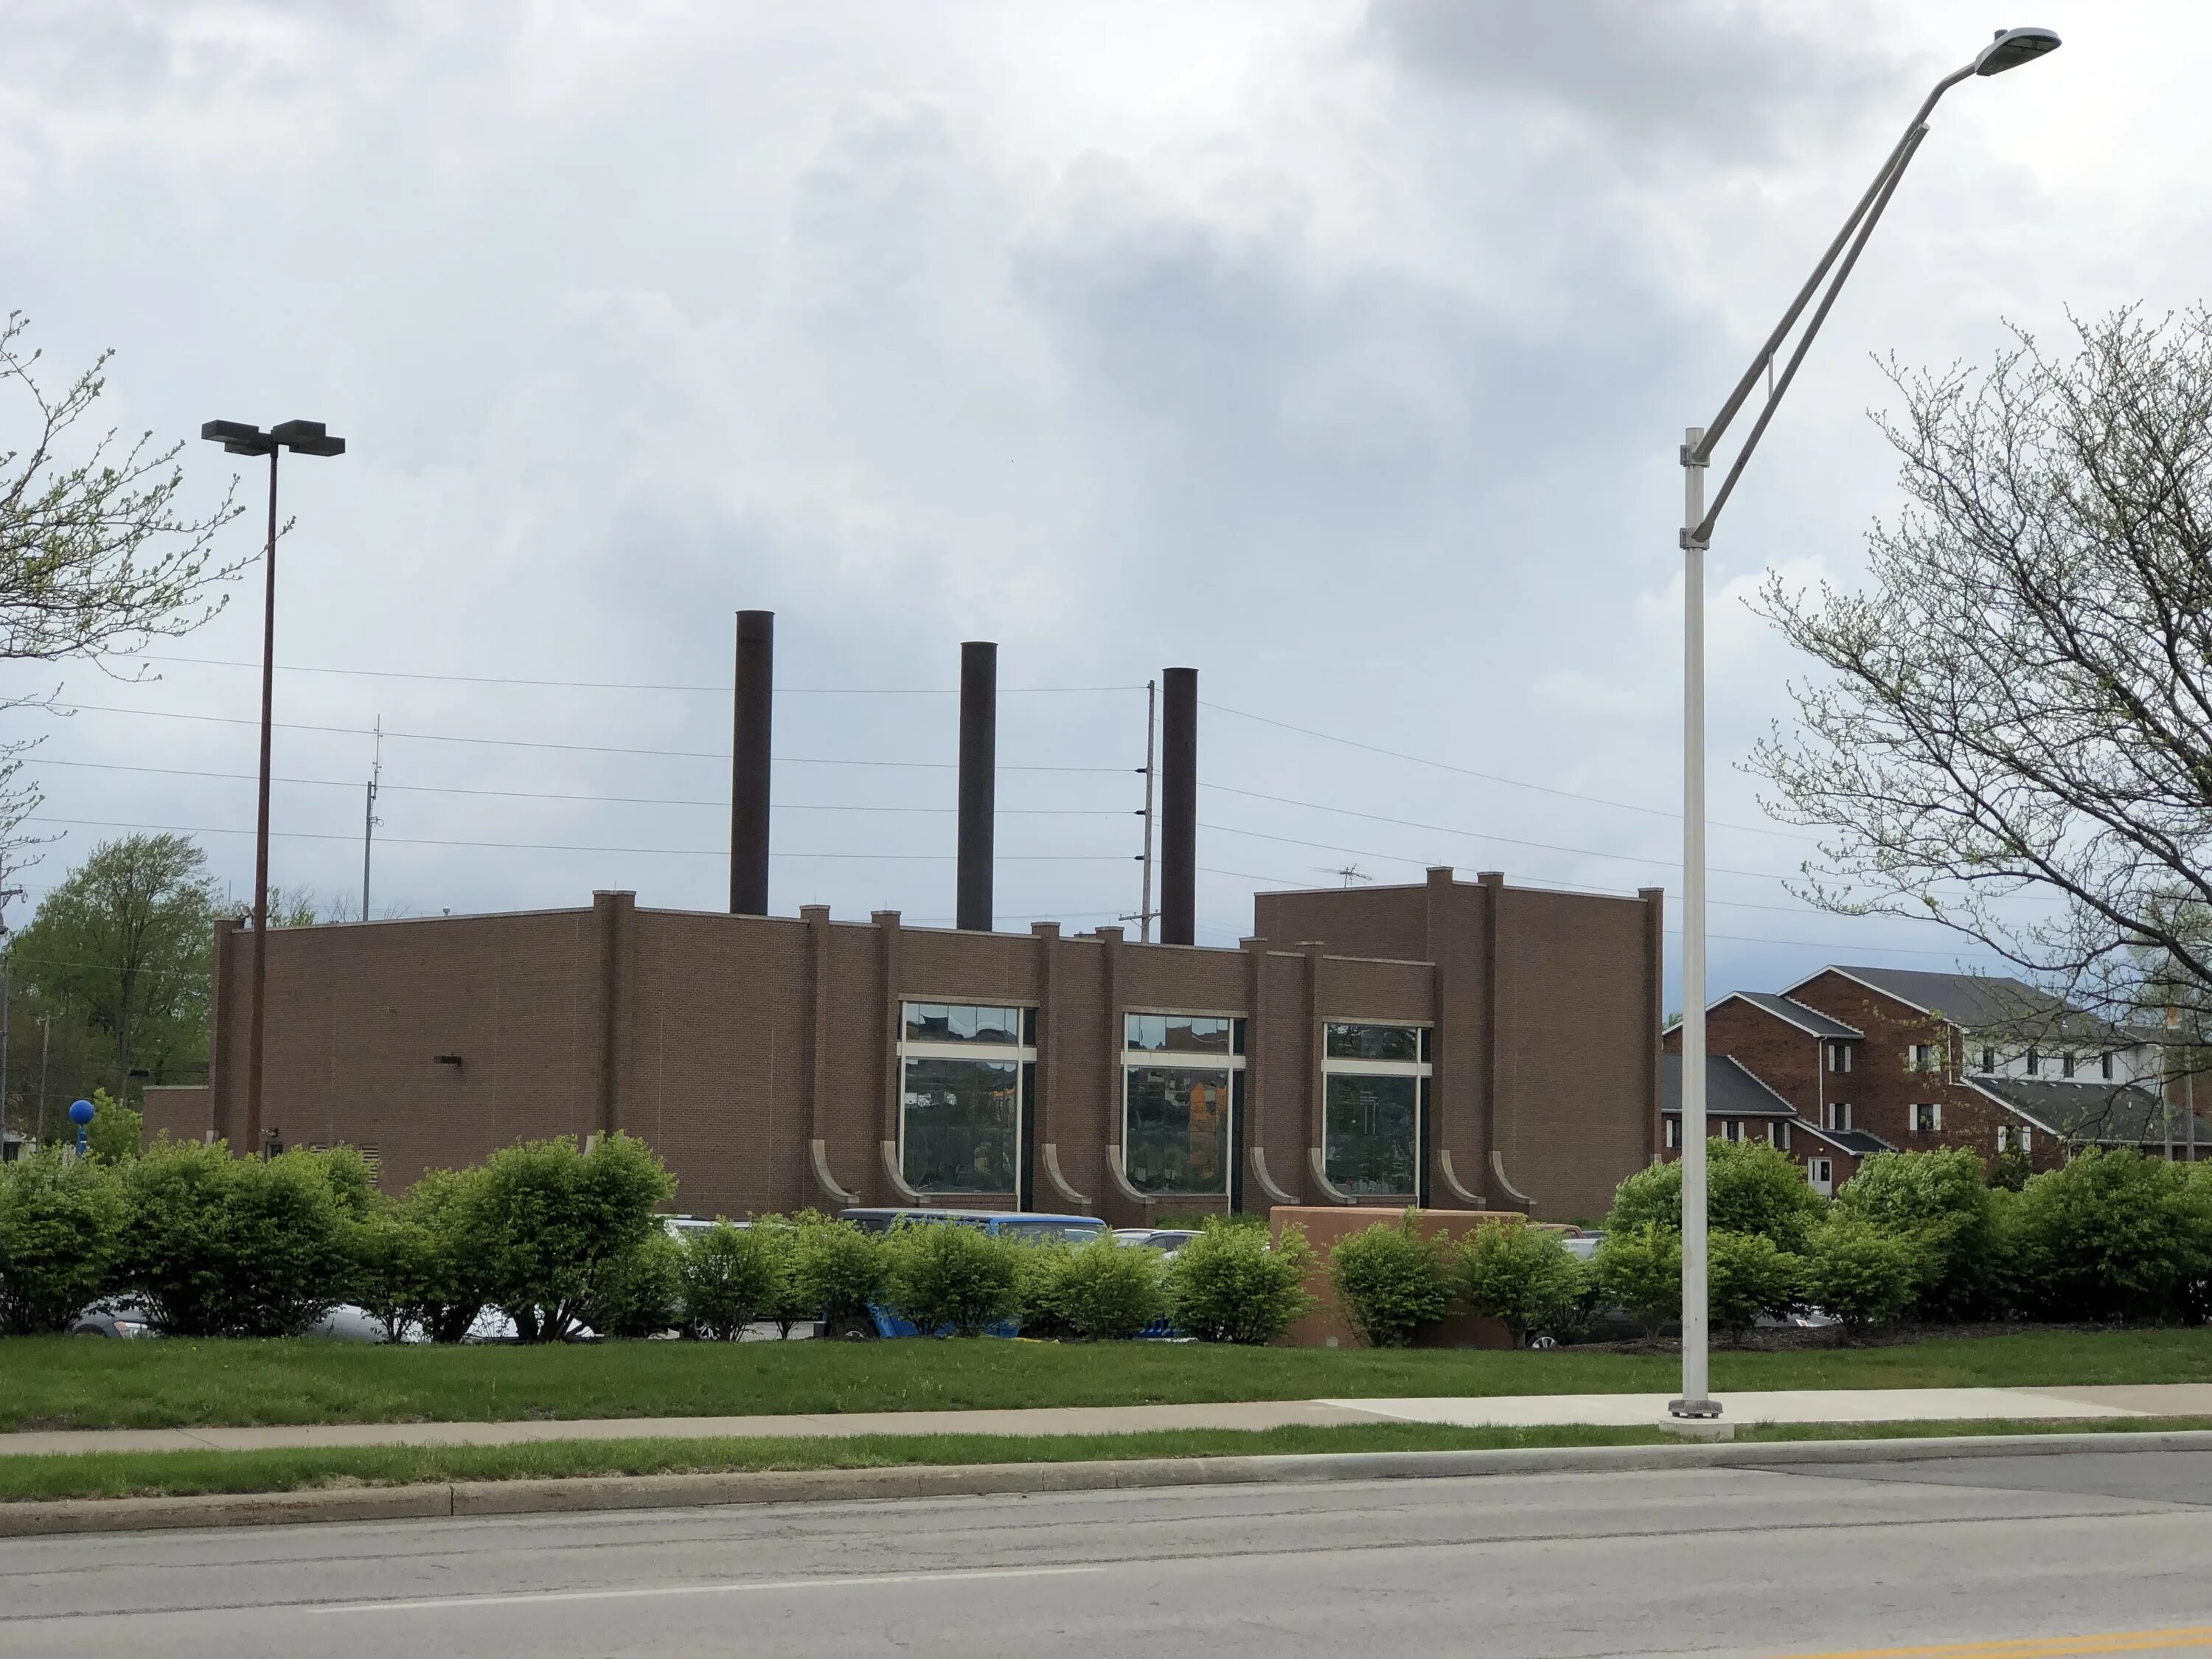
x: 1465, y: 1045
x: 1872, y: 1059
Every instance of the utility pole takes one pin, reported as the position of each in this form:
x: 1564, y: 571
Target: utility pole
x: 7, y: 963
x: 369, y: 819
x: 46, y: 1054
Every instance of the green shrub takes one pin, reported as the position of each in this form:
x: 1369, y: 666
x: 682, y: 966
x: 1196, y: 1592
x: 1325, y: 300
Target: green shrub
x: 1858, y: 1274
x: 117, y: 1132
x: 1230, y: 1285
x: 1746, y: 1276
x: 1941, y: 1202
x: 1639, y: 1269
x: 453, y: 1285
x: 1750, y: 1188
x: 837, y: 1272
x: 791, y: 1304
x: 61, y: 1235
x: 732, y: 1276
x: 1521, y: 1276
x: 548, y: 1222
x: 2112, y: 1234
x: 641, y: 1292
x: 946, y: 1277
x: 390, y: 1254
x: 1039, y: 1280
x: 352, y: 1184
x: 1108, y: 1292
x: 1389, y: 1281
x: 220, y: 1246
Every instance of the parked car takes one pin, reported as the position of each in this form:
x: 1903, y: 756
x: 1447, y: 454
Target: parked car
x: 114, y: 1316
x: 1166, y: 1240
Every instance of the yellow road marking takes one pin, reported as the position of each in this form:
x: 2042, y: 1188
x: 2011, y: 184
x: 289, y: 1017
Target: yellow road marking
x: 2039, y: 1647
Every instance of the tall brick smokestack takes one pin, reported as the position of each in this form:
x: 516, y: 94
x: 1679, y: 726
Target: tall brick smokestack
x: 979, y: 760
x: 1179, y: 806
x: 749, y: 764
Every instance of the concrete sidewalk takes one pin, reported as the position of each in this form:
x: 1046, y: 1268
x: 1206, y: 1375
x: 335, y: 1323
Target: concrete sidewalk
x: 1518, y: 1411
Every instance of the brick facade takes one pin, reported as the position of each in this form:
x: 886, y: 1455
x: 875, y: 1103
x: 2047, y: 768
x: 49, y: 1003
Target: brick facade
x: 760, y: 1055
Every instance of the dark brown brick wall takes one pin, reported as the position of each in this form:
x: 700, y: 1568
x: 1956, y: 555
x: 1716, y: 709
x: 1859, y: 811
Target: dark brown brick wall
x: 732, y: 1043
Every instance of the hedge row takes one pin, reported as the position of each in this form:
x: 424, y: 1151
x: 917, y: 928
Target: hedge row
x: 562, y: 1239
x: 2111, y: 1237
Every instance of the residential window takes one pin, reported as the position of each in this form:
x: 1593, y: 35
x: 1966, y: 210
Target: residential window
x: 960, y: 1121
x: 1836, y: 1115
x: 1674, y: 1135
x: 1732, y: 1130
x: 1839, y: 1056
x: 1375, y: 1082
x: 2012, y: 1138
x: 2066, y: 1064
x: 1778, y: 1133
x: 1989, y: 1061
x: 1180, y: 1073
x: 2105, y: 1066
x: 1922, y: 1058
x: 1927, y: 1120
x: 2034, y: 1063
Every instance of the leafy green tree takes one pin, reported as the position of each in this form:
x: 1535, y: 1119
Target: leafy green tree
x: 837, y: 1273
x: 1520, y: 1275
x: 117, y: 1132
x: 126, y: 940
x: 61, y: 1226
x: 1640, y: 1269
x: 1389, y: 1281
x: 1858, y: 1274
x: 1230, y: 1284
x: 1747, y: 1277
x: 546, y: 1222
x: 1110, y: 1292
x: 732, y: 1276
x: 97, y: 555
x: 949, y: 1279
x: 640, y: 1294
x: 1750, y: 1188
x: 2112, y: 1234
x: 220, y: 1246
x: 1941, y: 1202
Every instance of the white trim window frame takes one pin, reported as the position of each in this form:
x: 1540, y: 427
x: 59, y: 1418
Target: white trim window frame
x: 1227, y: 1064
x: 1419, y: 1071
x: 2014, y: 1138
x: 1927, y: 1117
x: 1019, y: 1055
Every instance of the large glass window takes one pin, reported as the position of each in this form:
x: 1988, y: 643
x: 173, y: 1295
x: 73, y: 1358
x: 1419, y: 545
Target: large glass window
x: 1373, y: 1092
x: 961, y: 1124
x: 961, y: 1022
x: 1179, y: 1094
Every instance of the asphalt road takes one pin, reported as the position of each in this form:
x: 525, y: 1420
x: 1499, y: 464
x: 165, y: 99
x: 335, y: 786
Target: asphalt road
x: 1857, y: 1558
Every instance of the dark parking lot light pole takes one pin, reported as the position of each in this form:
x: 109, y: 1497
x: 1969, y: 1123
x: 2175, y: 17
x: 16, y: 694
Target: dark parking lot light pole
x: 238, y: 438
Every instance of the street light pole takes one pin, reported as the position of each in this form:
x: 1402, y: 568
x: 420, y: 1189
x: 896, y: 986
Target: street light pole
x: 2011, y: 48
x: 238, y: 438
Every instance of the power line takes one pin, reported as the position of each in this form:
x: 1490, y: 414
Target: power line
x: 721, y: 805
x: 1493, y: 777
x: 575, y: 748
x: 556, y: 847
x: 627, y: 685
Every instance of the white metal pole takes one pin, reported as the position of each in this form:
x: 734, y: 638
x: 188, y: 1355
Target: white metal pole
x: 1696, y: 1400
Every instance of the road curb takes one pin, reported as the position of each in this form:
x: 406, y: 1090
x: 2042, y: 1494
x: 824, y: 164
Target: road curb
x: 587, y: 1493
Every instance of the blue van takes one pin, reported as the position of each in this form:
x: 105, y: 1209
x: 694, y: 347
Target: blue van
x: 1023, y: 1224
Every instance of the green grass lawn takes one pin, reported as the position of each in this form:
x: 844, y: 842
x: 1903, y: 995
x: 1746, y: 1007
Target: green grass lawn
x: 132, y: 1475
x: 77, y: 1383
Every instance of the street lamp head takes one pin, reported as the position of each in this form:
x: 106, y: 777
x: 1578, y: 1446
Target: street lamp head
x: 2014, y: 47
x: 300, y: 437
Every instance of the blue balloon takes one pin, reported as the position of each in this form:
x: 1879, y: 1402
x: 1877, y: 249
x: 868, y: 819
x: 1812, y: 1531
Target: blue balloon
x: 81, y: 1112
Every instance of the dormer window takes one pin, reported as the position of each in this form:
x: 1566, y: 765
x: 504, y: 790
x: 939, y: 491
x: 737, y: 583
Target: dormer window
x: 1989, y: 1062
x: 2105, y: 1066
x: 2066, y: 1064
x: 2034, y: 1063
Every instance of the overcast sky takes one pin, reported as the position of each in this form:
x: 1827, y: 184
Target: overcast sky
x: 1340, y: 351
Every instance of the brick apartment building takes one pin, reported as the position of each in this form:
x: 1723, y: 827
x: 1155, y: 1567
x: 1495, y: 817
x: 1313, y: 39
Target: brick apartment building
x: 1458, y: 1044
x: 1875, y: 1058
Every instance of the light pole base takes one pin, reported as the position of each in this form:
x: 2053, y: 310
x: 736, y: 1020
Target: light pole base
x: 1698, y: 1428
x: 1693, y: 1408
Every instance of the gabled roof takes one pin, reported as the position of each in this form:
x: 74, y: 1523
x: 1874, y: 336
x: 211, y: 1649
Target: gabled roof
x: 2106, y: 1114
x: 1982, y: 1001
x: 1730, y: 1091
x: 1803, y: 1018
